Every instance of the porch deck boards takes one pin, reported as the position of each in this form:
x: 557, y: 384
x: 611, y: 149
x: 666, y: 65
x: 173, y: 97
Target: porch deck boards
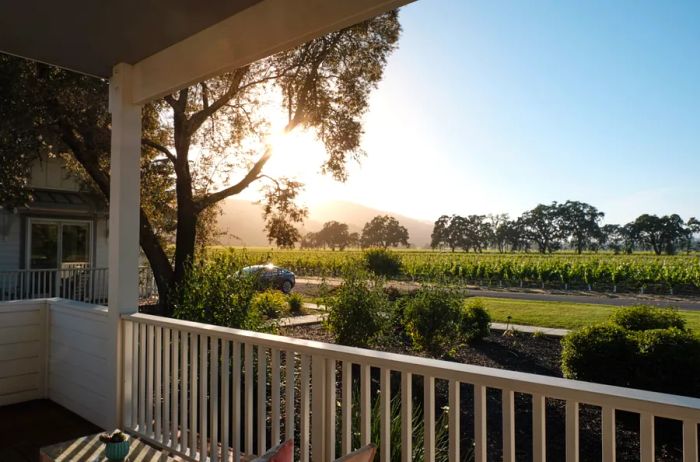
x: 28, y: 426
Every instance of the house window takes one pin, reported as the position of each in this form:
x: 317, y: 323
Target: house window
x: 58, y: 244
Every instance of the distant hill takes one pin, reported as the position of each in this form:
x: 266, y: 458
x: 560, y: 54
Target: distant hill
x: 242, y: 222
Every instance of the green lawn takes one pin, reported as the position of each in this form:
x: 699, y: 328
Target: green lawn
x: 560, y: 314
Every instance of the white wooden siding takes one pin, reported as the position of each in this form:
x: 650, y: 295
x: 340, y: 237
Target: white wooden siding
x: 9, y: 241
x: 101, y: 244
x: 52, y: 174
x: 22, y: 347
x: 77, y: 358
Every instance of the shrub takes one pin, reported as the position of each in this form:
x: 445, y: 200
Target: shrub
x: 644, y: 317
x: 432, y: 318
x: 604, y: 353
x: 212, y: 293
x: 475, y: 321
x: 296, y: 304
x: 382, y: 262
x: 669, y: 361
x: 357, y: 310
x: 271, y: 303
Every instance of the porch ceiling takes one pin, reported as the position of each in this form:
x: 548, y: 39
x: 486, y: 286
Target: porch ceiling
x: 90, y: 36
x: 170, y: 43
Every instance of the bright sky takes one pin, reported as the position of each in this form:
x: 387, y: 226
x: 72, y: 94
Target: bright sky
x: 494, y: 107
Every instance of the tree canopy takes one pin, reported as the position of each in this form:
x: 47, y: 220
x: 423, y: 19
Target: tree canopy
x: 574, y: 224
x: 206, y: 142
x: 384, y: 231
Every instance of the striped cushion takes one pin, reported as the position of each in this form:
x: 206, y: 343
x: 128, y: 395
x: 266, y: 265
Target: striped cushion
x: 364, y: 454
x: 281, y: 453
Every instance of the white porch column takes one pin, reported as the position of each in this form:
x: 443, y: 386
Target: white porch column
x: 124, y: 203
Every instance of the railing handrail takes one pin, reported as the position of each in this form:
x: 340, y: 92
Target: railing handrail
x: 36, y: 270
x: 634, y: 400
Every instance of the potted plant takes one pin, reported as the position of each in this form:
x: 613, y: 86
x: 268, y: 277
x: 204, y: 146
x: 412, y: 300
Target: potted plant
x: 116, y: 445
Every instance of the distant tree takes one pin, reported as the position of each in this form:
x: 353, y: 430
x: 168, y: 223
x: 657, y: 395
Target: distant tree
x: 384, y: 231
x: 354, y: 239
x: 580, y: 221
x: 543, y: 226
x: 440, y: 235
x: 660, y: 234
x: 499, y: 230
x: 334, y: 235
x: 516, y: 235
x: 611, y: 238
x: 458, y: 233
x: 693, y: 225
x: 309, y: 241
x: 471, y: 232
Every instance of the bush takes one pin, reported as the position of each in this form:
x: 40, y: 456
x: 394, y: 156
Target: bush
x: 475, y: 321
x: 605, y: 353
x: 271, y: 303
x: 212, y: 293
x: 357, y: 310
x: 382, y: 262
x: 644, y: 317
x: 432, y: 318
x: 296, y: 304
x: 669, y: 361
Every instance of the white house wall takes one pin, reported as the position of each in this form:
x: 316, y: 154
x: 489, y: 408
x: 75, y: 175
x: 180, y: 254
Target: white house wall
x: 101, y: 259
x: 9, y: 241
x: 78, y: 366
x: 52, y: 174
x: 22, y: 351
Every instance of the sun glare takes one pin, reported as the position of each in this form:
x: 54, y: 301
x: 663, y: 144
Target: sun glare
x: 298, y: 155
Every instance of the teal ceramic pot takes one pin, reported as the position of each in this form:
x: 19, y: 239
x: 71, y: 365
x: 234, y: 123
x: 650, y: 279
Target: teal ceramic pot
x: 117, y: 451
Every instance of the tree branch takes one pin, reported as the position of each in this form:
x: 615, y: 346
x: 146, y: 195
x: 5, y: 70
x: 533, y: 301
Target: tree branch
x: 161, y: 148
x: 250, y: 177
x: 199, y: 117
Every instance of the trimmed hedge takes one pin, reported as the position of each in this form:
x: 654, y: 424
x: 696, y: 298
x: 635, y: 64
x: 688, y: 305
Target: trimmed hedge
x: 629, y: 351
x: 604, y: 353
x: 668, y: 361
x: 432, y: 319
x: 644, y: 317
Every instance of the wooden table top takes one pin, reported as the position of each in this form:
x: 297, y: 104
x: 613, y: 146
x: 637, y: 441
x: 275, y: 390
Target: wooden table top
x: 91, y: 449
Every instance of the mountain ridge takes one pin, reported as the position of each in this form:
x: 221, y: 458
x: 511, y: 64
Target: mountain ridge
x: 241, y: 222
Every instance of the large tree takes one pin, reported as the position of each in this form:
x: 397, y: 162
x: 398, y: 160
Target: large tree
x: 661, y: 234
x: 334, y: 235
x: 384, y: 231
x: 208, y: 141
x: 543, y: 226
x: 581, y: 222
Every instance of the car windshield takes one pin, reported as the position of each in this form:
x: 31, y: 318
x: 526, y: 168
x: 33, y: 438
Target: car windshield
x: 257, y: 269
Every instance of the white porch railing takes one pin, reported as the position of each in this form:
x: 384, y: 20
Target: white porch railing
x: 79, y: 283
x: 209, y: 392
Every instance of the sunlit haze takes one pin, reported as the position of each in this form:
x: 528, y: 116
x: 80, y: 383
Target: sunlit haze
x: 491, y: 107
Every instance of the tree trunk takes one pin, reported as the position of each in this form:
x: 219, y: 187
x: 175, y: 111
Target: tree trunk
x: 186, y: 225
x: 160, y: 265
x: 158, y: 260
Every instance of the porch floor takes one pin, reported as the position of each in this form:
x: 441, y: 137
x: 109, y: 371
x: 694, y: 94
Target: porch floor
x: 26, y: 427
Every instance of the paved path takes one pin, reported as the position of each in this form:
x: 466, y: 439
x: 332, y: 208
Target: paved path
x: 317, y: 318
x: 692, y: 304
